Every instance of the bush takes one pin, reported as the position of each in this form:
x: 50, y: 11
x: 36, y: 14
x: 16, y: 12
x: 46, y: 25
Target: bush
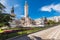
x: 50, y: 22
x: 1, y: 24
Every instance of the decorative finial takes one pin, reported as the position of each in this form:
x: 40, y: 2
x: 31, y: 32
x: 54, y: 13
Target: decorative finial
x: 25, y: 2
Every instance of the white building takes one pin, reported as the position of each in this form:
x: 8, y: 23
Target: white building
x: 39, y: 22
x: 55, y: 18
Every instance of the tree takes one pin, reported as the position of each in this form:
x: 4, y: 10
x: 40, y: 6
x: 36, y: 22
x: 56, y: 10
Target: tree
x: 45, y: 20
x: 2, y: 8
x: 50, y: 22
x: 4, y: 17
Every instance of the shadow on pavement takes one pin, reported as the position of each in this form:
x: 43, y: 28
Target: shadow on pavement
x: 27, y: 38
x: 35, y: 38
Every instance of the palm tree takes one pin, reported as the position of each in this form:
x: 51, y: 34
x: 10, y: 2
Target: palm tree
x: 2, y: 7
x: 4, y: 17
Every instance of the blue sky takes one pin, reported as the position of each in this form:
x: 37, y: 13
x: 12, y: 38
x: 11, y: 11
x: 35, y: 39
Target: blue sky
x: 37, y: 8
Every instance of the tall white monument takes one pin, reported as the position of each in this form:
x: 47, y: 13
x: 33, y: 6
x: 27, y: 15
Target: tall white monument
x: 26, y: 9
x: 26, y: 21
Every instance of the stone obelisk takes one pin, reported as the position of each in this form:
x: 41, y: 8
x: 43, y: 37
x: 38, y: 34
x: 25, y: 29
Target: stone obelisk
x: 26, y: 13
x: 26, y: 9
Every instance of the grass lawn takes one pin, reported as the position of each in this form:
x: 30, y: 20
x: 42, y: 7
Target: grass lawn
x: 1, y: 31
x: 6, y: 36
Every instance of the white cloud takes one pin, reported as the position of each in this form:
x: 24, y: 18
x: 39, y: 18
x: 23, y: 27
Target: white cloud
x: 21, y: 15
x: 56, y: 7
x: 16, y: 5
x: 46, y: 8
x: 50, y: 7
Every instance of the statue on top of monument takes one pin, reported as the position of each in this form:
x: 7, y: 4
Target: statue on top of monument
x: 12, y: 12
